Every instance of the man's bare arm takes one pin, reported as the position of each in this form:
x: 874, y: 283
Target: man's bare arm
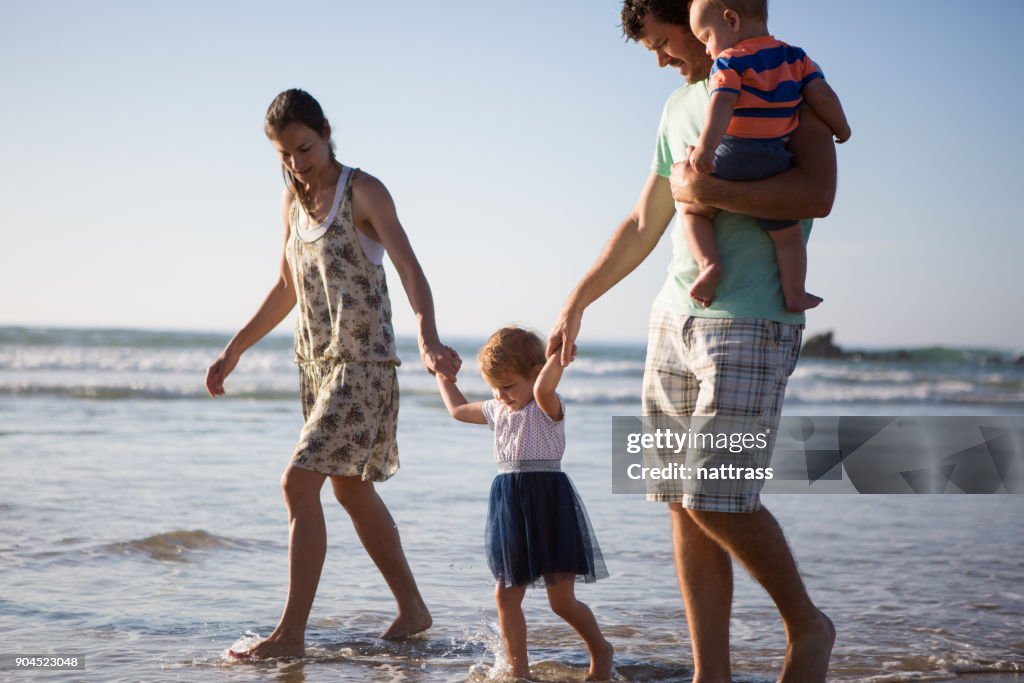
x: 628, y: 247
x: 806, y: 190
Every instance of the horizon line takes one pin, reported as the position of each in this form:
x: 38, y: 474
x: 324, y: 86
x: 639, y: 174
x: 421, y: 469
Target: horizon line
x: 283, y: 334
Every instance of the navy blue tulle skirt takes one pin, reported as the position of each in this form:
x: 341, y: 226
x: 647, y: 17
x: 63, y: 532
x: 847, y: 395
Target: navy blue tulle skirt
x: 537, y: 528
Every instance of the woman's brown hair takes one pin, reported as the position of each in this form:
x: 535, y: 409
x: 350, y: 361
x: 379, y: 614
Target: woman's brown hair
x: 296, y: 106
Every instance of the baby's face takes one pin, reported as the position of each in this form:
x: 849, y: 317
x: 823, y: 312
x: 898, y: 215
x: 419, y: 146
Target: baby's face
x: 712, y: 27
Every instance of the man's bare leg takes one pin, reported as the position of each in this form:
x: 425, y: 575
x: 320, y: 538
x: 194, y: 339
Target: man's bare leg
x: 757, y: 541
x: 307, y: 546
x: 379, y: 535
x: 704, y: 570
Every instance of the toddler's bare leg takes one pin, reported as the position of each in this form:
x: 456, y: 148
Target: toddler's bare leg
x: 562, y: 597
x: 513, y: 627
x: 791, y: 254
x: 700, y: 238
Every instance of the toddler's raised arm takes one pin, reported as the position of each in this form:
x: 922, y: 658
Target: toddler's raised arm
x: 545, y: 385
x: 458, y: 407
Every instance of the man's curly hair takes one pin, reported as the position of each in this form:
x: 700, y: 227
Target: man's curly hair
x: 669, y: 11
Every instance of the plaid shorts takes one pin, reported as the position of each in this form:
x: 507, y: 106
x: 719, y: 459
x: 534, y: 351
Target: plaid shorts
x: 735, y: 367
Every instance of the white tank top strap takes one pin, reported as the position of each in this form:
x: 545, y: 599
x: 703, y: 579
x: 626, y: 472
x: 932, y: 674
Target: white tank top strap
x: 313, y: 234
x: 372, y: 249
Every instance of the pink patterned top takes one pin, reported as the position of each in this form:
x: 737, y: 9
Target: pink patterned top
x: 526, y: 434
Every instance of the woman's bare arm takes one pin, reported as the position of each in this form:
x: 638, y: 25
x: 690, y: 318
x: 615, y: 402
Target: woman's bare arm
x: 275, y: 307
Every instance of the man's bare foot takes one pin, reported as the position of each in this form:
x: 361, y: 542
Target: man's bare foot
x: 808, y: 652
x: 601, y: 663
x: 703, y: 290
x: 802, y: 302
x: 407, y: 624
x: 274, y: 646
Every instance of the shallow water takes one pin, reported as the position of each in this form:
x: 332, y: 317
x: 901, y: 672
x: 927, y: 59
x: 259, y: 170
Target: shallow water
x: 147, y: 532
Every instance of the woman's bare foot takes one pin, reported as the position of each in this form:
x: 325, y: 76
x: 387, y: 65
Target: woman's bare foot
x: 802, y: 302
x: 407, y: 624
x: 601, y: 663
x: 808, y: 652
x: 274, y: 646
x: 703, y: 290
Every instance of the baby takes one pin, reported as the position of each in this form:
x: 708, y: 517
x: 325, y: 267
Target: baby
x: 757, y: 85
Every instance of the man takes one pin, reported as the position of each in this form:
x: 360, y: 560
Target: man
x: 733, y: 357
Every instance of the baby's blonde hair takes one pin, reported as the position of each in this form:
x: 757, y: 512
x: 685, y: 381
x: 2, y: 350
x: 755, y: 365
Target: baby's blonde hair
x: 753, y: 9
x: 511, y: 350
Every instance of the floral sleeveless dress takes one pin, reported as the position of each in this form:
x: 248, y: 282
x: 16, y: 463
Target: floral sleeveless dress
x: 344, y: 347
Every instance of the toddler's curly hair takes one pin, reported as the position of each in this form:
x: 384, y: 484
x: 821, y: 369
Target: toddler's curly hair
x: 511, y: 350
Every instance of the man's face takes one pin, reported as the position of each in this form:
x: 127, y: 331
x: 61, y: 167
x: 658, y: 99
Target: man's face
x: 676, y: 46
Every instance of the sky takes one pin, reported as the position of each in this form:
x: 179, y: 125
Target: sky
x: 137, y: 188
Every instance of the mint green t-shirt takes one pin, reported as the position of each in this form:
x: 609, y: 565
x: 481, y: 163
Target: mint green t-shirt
x: 750, y: 286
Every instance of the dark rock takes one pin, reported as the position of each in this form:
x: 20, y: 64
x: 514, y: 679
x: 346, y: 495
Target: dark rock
x: 822, y: 346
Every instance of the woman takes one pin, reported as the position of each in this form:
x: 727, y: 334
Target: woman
x: 338, y: 223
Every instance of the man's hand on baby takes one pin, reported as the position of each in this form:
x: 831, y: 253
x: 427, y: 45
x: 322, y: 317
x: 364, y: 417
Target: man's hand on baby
x: 688, y: 186
x: 843, y: 135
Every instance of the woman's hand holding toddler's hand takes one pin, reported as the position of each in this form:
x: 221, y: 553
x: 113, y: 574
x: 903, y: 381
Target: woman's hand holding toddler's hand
x: 441, y: 360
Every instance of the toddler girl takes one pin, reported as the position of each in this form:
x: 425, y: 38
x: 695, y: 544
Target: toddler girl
x: 536, y: 524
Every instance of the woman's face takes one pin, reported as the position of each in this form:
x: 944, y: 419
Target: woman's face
x: 303, y: 151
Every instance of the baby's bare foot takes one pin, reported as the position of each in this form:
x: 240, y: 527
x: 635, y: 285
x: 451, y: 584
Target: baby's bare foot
x: 703, y: 289
x: 601, y: 663
x: 808, y: 652
x: 802, y: 302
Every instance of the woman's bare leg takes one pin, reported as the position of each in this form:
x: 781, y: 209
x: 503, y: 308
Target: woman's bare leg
x: 379, y: 535
x: 307, y: 546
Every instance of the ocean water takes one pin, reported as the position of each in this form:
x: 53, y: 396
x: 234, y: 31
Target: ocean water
x: 142, y: 526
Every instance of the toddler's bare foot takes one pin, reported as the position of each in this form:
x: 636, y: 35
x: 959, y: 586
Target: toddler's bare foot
x: 802, y: 302
x: 601, y: 663
x: 808, y: 652
x: 703, y: 290
x: 274, y: 646
x: 409, y: 623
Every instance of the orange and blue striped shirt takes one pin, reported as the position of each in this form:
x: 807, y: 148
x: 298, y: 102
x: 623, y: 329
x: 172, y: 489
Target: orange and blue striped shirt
x: 769, y: 77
